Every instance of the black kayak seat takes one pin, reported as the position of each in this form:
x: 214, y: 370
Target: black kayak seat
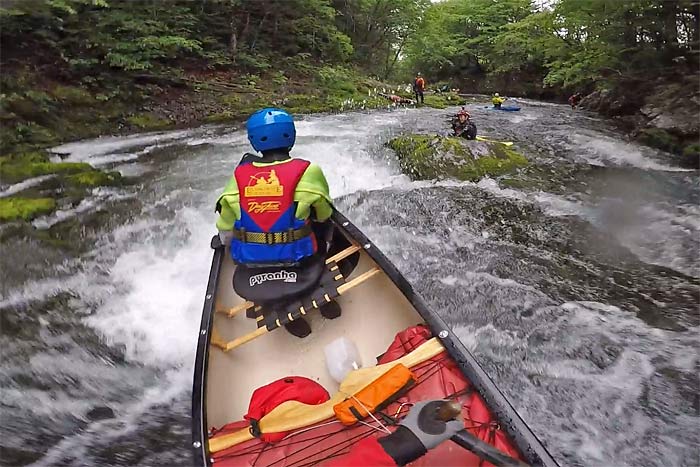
x: 278, y: 283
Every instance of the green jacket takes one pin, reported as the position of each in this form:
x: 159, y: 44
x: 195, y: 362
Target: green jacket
x: 498, y: 100
x: 312, y: 191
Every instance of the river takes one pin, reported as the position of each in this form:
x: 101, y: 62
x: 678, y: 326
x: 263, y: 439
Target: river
x: 575, y: 284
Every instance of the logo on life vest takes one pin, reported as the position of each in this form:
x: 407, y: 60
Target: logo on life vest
x: 266, y: 206
x: 282, y: 275
x: 264, y: 184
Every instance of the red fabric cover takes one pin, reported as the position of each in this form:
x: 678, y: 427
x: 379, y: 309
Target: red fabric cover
x: 367, y: 452
x: 291, y: 388
x: 437, y: 378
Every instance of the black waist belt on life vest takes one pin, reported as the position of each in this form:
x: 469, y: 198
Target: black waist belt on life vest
x: 272, y: 238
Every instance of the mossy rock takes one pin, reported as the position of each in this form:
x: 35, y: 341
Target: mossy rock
x: 660, y: 139
x: 14, y: 169
x: 443, y: 100
x: 93, y: 178
x: 424, y: 157
x: 691, y: 156
x: 17, y: 208
x: 149, y: 121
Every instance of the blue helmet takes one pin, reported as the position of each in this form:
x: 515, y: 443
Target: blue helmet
x: 271, y: 128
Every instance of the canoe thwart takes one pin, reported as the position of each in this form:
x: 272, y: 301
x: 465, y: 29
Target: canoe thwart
x: 231, y: 312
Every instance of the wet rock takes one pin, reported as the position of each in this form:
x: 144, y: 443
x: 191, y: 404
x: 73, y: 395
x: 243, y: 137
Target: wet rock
x: 424, y: 157
x: 100, y: 413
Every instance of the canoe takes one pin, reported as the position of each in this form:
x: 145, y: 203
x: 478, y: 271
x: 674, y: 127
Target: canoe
x: 241, y: 350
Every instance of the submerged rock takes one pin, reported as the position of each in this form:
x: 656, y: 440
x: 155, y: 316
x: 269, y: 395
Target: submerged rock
x: 100, y: 413
x: 425, y: 157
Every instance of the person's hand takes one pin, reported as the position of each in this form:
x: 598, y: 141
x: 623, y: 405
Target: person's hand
x: 225, y: 236
x: 424, y: 422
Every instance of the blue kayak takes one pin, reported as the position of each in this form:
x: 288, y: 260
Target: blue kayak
x: 506, y: 108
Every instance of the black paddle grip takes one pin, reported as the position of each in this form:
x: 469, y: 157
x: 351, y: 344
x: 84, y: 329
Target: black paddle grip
x: 485, y: 451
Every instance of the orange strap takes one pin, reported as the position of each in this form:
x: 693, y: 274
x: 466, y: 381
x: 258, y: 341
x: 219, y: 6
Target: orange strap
x: 376, y: 396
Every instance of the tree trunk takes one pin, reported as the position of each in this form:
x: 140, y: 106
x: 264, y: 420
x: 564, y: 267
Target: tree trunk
x: 669, y: 11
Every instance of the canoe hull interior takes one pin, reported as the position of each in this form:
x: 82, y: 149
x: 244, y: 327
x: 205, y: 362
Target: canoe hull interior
x: 373, y: 312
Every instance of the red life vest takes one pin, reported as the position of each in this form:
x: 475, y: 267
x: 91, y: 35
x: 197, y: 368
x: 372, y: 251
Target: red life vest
x: 268, y: 230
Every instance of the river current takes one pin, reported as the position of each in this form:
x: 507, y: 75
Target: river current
x: 575, y: 283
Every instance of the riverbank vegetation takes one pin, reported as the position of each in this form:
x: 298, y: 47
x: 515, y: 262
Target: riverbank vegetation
x: 73, y: 69
x: 624, y: 54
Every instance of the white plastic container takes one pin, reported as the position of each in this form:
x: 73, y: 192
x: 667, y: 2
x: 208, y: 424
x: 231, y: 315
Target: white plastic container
x: 342, y: 357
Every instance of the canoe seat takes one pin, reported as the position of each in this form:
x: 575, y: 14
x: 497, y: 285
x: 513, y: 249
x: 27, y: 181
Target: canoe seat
x: 265, y: 284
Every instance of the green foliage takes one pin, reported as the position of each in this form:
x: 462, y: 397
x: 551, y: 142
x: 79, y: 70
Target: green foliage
x: 379, y: 30
x: 15, y: 208
x: 148, y: 121
x: 570, y: 44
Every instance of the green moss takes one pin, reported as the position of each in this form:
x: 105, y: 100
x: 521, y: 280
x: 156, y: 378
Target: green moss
x: 17, y: 168
x: 15, y: 208
x: 304, y: 104
x: 660, y: 139
x: 427, y: 157
x: 148, y: 121
x: 443, y: 100
x: 94, y: 178
x: 73, y: 95
x: 691, y: 155
x: 220, y: 117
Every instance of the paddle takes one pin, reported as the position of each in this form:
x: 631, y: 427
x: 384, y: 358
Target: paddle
x: 505, y: 143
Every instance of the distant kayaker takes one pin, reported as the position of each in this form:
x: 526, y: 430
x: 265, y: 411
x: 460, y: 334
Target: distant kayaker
x: 497, y: 100
x: 420, y: 431
x: 419, y: 87
x: 271, y: 209
x: 463, y: 126
x: 574, y: 100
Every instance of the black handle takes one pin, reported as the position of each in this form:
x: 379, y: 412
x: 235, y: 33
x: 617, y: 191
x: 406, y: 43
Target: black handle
x: 451, y: 409
x: 485, y: 451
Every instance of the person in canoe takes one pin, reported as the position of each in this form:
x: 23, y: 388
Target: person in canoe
x: 462, y: 126
x: 272, y: 214
x: 419, y: 88
x: 497, y: 100
x: 420, y: 431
